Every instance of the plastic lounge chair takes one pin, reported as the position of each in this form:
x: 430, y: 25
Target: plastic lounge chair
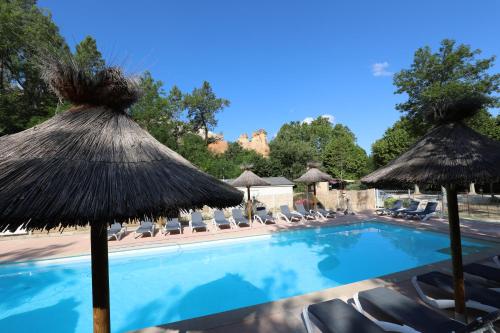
x: 383, y: 211
x: 325, y: 213
x: 116, y: 231
x: 220, y: 220
x: 407, y: 315
x: 335, y: 316
x: 238, y: 218
x: 146, y: 227
x: 301, y: 210
x: 476, y: 296
x: 427, y: 213
x: 412, y: 208
x: 263, y: 217
x: 289, y: 216
x: 197, y: 223
x: 486, y: 272
x: 172, y: 225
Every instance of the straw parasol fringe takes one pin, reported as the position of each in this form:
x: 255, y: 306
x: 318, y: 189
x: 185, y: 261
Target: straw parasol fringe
x: 248, y: 179
x: 91, y: 165
x: 313, y: 176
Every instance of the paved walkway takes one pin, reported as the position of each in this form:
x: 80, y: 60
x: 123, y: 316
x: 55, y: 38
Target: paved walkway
x: 23, y: 248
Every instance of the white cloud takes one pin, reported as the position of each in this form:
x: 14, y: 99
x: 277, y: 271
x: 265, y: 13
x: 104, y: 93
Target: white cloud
x: 380, y: 69
x: 329, y: 117
x: 307, y: 120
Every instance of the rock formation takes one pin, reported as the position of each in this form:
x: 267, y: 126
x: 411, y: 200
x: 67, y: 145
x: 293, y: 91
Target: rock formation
x: 258, y: 143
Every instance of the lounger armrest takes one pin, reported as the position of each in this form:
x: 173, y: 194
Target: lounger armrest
x: 282, y: 216
x: 232, y: 221
x: 436, y: 303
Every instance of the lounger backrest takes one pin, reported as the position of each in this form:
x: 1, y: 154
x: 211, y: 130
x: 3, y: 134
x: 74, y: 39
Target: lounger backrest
x: 116, y: 226
x: 300, y: 208
x: 285, y: 210
x: 262, y: 213
x: 397, y: 204
x: 173, y: 221
x: 146, y: 224
x: 196, y: 218
x: 219, y: 215
x: 413, y: 205
x: 430, y: 207
x: 237, y: 214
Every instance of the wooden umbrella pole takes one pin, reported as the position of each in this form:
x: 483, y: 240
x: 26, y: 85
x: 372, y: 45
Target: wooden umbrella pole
x: 456, y: 253
x: 249, y: 207
x: 314, y: 197
x: 100, y: 278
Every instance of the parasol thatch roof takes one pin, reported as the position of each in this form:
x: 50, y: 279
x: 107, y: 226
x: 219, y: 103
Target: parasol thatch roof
x: 313, y: 175
x: 94, y: 164
x: 248, y: 179
x: 450, y: 153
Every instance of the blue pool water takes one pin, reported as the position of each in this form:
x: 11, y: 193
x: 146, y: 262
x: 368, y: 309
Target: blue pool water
x: 168, y: 284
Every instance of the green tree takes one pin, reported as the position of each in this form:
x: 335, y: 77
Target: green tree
x: 486, y: 124
x: 396, y: 140
x: 450, y: 76
x: 439, y: 85
x: 343, y: 158
x: 288, y: 157
x: 202, y: 105
x: 25, y: 31
x: 157, y: 112
x: 87, y: 56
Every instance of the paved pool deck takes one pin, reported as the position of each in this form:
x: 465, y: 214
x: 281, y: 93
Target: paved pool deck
x: 279, y: 316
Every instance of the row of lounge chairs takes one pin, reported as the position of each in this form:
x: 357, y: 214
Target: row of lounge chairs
x: 385, y: 310
x: 412, y: 211
x: 196, y: 223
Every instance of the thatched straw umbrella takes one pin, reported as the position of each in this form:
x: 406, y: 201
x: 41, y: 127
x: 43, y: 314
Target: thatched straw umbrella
x: 93, y: 164
x: 248, y: 179
x: 450, y: 154
x: 312, y: 176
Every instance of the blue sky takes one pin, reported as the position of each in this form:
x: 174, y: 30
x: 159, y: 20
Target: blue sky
x: 278, y: 61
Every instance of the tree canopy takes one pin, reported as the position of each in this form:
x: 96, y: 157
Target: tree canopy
x: 450, y: 84
x: 202, y: 105
x: 87, y: 55
x: 334, y: 145
x: 24, y: 96
x: 436, y: 82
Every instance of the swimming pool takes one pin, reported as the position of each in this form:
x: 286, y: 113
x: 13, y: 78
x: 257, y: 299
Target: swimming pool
x: 161, y: 285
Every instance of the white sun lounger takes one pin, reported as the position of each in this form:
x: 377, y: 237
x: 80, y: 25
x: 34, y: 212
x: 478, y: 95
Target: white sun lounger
x: 476, y: 297
x: 196, y: 223
x: 238, y: 218
x: 289, y: 216
x: 116, y: 231
x: 146, y: 227
x: 171, y: 225
x: 220, y: 220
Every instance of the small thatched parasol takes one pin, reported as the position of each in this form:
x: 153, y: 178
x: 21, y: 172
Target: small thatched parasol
x: 312, y: 176
x: 93, y: 164
x: 248, y: 179
x: 450, y: 154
